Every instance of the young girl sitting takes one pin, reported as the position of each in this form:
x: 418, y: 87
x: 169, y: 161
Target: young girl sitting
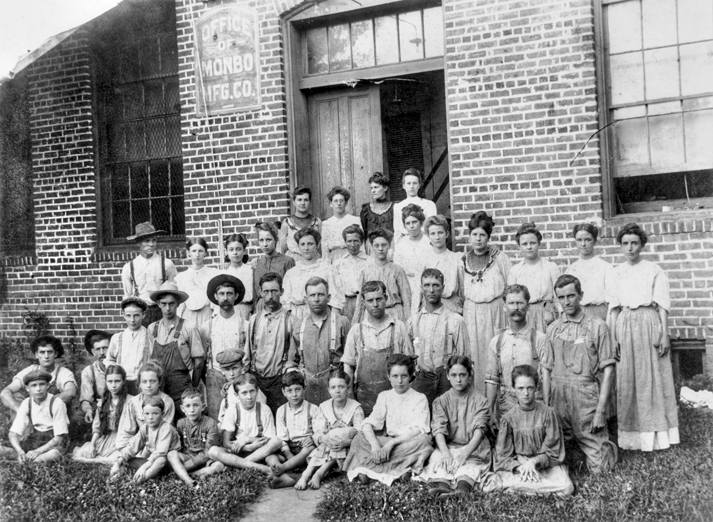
x: 403, y: 413
x: 249, y: 435
x: 102, y: 448
x: 235, y: 248
x: 147, y: 450
x: 132, y: 418
x: 459, y: 423
x: 194, y: 282
x: 337, y: 423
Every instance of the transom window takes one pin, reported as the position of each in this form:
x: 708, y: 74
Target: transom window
x: 659, y: 64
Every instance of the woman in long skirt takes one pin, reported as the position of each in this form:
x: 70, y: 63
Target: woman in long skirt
x: 486, y: 269
x: 403, y: 413
x: 646, y: 405
x: 538, y: 275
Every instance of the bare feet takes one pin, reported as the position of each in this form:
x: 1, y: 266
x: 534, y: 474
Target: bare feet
x: 282, y: 481
x: 301, y: 484
x: 277, y: 469
x: 316, y: 481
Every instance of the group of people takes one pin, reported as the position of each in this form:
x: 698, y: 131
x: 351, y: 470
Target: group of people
x: 353, y: 343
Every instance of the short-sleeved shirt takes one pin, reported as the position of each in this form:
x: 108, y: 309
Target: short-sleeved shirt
x: 42, y: 418
x: 295, y: 425
x: 248, y: 425
x: 61, y: 377
x: 152, y: 444
x: 190, y: 345
x: 231, y: 399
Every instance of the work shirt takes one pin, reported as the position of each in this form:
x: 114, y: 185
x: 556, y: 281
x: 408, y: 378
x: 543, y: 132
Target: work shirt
x: 152, y: 443
x: 61, y: 377
x: 42, y: 418
x: 198, y: 437
x: 398, y: 290
x: 93, y: 383
x: 436, y: 336
x: 190, y: 345
x: 130, y: 349
x: 132, y: 418
x: 278, y: 263
x: 376, y: 338
x: 248, y: 426
x: 317, y: 339
x: 148, y: 276
x: 268, y: 343
x: 220, y: 334
x: 295, y: 424
x: 515, y: 350
x: 348, y: 269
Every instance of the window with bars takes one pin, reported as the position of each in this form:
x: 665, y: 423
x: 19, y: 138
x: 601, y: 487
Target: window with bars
x: 658, y: 64
x: 138, y: 113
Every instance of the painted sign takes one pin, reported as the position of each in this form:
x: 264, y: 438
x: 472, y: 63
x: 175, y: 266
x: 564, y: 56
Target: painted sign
x: 227, y: 61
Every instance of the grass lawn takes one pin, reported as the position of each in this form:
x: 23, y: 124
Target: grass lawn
x: 671, y: 485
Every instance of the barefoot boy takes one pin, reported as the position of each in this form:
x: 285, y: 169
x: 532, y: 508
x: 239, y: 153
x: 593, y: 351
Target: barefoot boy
x: 147, y: 450
x: 198, y: 433
x: 231, y: 365
x: 248, y: 430
x: 40, y: 427
x: 294, y: 429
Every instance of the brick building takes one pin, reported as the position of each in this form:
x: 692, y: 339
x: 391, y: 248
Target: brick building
x: 499, y: 102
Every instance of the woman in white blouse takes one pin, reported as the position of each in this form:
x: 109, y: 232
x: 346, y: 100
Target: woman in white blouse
x: 639, y: 307
x: 403, y: 413
x: 592, y: 271
x: 194, y: 281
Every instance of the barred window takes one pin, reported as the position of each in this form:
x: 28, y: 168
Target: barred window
x: 138, y: 119
x: 658, y: 66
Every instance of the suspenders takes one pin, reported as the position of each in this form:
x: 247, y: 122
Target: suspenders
x: 309, y: 417
x: 147, y: 349
x: 133, y: 274
x: 29, y: 411
x: 259, y: 418
x: 363, y: 347
x: 176, y: 334
x: 253, y: 348
x: 332, y: 333
x: 533, y: 344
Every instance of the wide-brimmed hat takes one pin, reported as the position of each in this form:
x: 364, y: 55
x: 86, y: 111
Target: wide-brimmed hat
x: 91, y: 335
x: 225, y: 279
x: 135, y: 301
x: 145, y: 231
x: 36, y: 375
x: 44, y: 340
x: 171, y: 288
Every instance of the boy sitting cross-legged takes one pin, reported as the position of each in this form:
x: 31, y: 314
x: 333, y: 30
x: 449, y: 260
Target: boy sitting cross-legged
x: 294, y: 429
x: 248, y: 430
x: 147, y: 450
x: 40, y: 427
x: 198, y: 433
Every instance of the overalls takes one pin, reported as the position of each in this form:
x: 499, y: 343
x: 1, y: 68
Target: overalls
x: 176, y: 376
x: 370, y: 375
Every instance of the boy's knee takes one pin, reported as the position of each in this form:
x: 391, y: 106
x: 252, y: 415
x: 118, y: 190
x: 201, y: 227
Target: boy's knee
x: 215, y: 451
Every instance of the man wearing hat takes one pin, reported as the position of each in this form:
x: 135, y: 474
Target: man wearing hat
x: 132, y: 347
x: 176, y: 344
x: 225, y: 330
x: 93, y: 382
x: 147, y: 271
x: 40, y: 428
x: 46, y: 348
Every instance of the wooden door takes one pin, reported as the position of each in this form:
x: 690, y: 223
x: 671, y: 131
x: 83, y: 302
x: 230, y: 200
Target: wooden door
x: 345, y: 145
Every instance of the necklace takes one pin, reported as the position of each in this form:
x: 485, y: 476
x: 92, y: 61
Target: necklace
x: 477, y: 274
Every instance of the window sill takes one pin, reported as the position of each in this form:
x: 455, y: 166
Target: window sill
x: 662, y: 223
x: 127, y: 252
x: 18, y: 259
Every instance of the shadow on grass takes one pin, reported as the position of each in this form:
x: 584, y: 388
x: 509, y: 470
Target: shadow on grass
x: 671, y: 485
x: 70, y: 491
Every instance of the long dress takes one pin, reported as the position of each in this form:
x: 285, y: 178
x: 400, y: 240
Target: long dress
x: 483, y: 309
x: 333, y: 245
x: 197, y: 309
x: 595, y: 275
x: 398, y: 414
x: 457, y: 416
x: 540, y: 281
x: 245, y: 274
x: 344, y: 426
x: 646, y: 400
x: 105, y: 445
x: 448, y: 262
x: 411, y: 256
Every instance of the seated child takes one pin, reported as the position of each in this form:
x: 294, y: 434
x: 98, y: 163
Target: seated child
x: 40, y: 428
x: 231, y: 364
x: 294, y: 429
x: 349, y: 267
x: 150, y: 377
x: 93, y: 384
x: 459, y: 423
x: 336, y: 424
x: 248, y: 430
x: 198, y: 433
x: 530, y: 448
x: 147, y: 450
x: 102, y: 448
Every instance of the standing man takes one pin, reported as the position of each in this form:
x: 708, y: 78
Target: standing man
x: 579, y: 348
x: 519, y: 344
x: 177, y: 346
x: 269, y: 339
x: 147, y: 271
x: 318, y: 341
x: 370, y: 343
x: 226, y: 330
x: 47, y: 349
x: 436, y: 333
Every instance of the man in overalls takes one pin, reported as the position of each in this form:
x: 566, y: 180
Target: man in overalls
x: 147, y: 271
x: 369, y: 344
x: 318, y: 341
x: 519, y: 344
x: 176, y: 344
x: 226, y: 330
x: 62, y: 384
x: 580, y: 348
x: 436, y: 333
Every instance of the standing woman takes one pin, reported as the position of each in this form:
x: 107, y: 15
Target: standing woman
x: 236, y: 246
x: 194, y: 282
x: 537, y: 274
x: 380, y: 212
x: 410, y: 253
x: 486, y: 269
x: 640, y: 302
x: 592, y: 271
